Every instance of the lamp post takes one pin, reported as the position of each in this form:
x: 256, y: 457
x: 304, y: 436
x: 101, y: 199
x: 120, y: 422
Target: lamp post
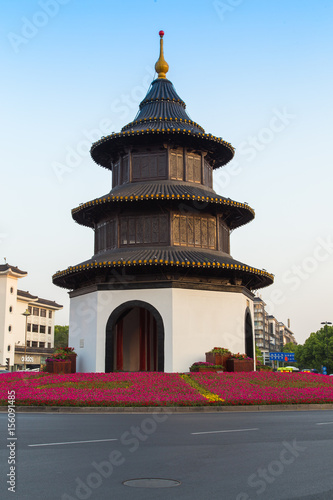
x: 325, y: 330
x: 26, y: 314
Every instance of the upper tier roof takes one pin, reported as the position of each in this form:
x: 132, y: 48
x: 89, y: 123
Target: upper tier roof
x: 162, y: 107
x: 162, y: 119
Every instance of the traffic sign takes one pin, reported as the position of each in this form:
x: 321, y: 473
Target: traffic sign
x: 282, y: 356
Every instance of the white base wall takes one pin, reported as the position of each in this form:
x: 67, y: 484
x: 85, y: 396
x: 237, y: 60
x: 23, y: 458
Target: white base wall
x: 194, y: 321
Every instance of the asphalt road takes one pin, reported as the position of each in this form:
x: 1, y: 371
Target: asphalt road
x: 229, y: 456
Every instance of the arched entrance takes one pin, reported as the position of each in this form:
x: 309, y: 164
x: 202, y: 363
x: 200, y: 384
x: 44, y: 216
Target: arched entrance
x: 134, y: 338
x: 248, y: 335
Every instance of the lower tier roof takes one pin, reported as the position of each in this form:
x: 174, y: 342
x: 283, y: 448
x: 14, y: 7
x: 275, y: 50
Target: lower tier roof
x: 167, y: 191
x: 158, y: 261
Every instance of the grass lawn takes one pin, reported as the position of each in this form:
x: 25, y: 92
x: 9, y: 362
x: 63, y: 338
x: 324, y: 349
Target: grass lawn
x: 166, y: 389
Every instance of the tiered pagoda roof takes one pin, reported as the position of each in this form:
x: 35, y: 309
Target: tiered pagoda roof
x: 162, y: 121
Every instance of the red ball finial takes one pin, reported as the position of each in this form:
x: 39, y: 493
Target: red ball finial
x: 161, y: 33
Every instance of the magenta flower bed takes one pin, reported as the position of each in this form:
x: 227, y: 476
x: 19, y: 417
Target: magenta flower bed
x: 100, y: 389
x: 267, y: 387
x: 165, y: 389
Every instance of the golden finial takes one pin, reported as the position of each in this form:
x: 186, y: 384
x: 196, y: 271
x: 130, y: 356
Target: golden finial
x: 161, y: 67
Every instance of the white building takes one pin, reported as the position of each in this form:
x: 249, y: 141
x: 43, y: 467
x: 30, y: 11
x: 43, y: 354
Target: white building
x: 31, y: 336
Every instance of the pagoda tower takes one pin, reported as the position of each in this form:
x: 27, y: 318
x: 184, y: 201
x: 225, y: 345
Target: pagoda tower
x: 161, y: 288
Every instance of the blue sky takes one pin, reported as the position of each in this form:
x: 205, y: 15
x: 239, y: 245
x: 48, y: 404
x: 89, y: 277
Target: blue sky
x: 257, y: 73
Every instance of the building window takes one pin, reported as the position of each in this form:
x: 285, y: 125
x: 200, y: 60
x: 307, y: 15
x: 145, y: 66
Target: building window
x: 28, y: 343
x: 42, y: 344
x: 50, y: 314
x: 8, y: 348
x: 10, y: 328
x: 10, y: 309
x: 224, y: 237
x: 105, y: 235
x: 177, y: 165
x: 149, y: 167
x: 35, y: 311
x: 30, y: 309
x: 34, y: 343
x: 11, y: 289
x: 193, y: 168
x: 208, y: 174
x: 194, y: 231
x: 49, y: 345
x: 29, y: 327
x: 144, y: 229
x: 35, y: 328
x: 42, y: 328
x: 43, y: 313
x: 49, y: 330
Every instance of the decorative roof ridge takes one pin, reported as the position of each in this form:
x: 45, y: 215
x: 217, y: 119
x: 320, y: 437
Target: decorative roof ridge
x: 6, y: 268
x: 218, y: 199
x: 27, y: 295
x: 161, y: 262
x: 167, y: 99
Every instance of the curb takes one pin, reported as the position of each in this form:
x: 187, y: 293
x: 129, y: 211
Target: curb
x: 168, y: 409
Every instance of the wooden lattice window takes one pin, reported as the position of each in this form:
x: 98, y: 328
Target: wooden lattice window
x: 141, y: 230
x: 193, y: 168
x: 105, y: 236
x: 224, y: 237
x: 208, y: 175
x: 194, y: 231
x: 176, y: 166
x: 149, y: 166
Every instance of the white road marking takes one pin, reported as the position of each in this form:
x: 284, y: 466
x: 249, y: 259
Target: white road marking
x: 230, y: 430
x: 74, y: 442
x: 324, y: 423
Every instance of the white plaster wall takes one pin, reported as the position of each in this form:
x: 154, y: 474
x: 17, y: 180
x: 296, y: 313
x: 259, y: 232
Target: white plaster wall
x: 206, y: 319
x: 12, y: 319
x: 194, y: 322
x: 89, y: 315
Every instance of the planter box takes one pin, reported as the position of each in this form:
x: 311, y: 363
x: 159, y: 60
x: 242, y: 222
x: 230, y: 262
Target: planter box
x: 240, y: 365
x: 72, y: 359
x: 58, y: 367
x: 217, y: 359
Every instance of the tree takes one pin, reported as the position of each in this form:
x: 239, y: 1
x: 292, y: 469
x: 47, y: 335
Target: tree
x: 61, y: 336
x: 316, y: 352
x: 259, y: 356
x: 318, y: 349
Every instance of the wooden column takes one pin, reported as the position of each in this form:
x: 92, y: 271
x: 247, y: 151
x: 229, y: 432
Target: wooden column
x: 142, y: 340
x: 155, y: 347
x: 120, y: 359
x: 148, y: 316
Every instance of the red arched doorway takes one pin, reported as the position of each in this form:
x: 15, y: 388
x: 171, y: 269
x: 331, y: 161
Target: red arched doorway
x: 134, y: 339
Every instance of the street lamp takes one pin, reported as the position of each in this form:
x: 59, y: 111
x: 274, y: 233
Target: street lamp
x: 325, y: 330
x: 26, y: 314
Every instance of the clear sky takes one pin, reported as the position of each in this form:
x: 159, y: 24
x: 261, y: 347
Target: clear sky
x: 256, y: 72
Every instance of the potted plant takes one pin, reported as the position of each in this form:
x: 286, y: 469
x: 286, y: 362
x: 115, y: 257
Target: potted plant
x: 240, y: 363
x: 202, y: 366
x: 218, y: 356
x: 69, y: 354
x: 58, y: 363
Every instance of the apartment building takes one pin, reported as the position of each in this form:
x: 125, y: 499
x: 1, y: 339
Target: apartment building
x: 270, y: 334
x: 26, y: 323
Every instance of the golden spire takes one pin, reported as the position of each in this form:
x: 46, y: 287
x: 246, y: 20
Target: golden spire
x: 161, y: 67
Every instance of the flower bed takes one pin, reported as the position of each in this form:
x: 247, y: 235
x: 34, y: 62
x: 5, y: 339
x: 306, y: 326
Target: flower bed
x: 166, y: 389
x: 253, y: 388
x: 100, y: 389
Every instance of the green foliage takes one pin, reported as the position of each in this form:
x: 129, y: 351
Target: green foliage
x: 317, y: 351
x: 61, y: 336
x: 259, y: 356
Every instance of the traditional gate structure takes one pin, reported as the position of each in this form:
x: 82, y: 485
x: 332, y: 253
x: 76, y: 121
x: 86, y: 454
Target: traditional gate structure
x: 161, y: 287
